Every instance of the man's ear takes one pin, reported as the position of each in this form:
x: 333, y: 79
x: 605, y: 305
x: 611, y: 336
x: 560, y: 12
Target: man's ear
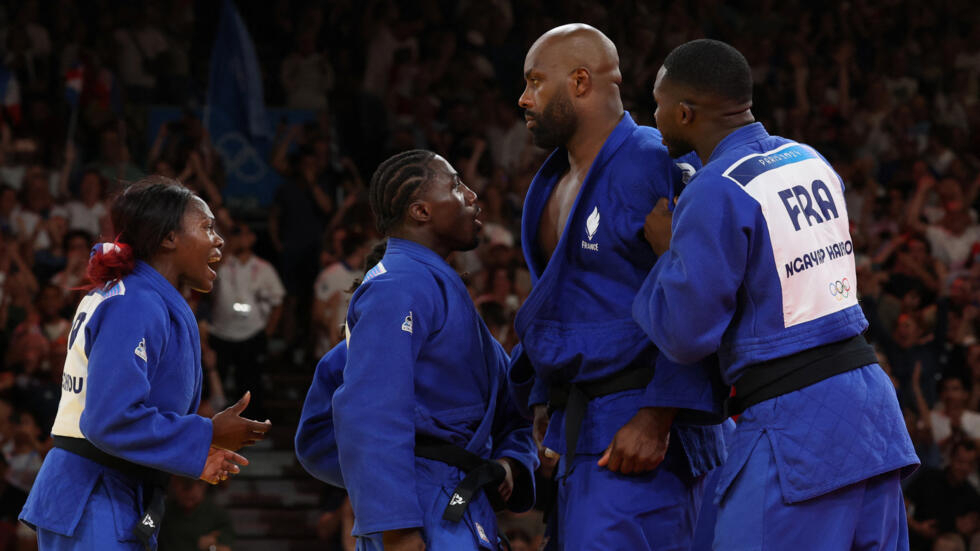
x: 581, y: 81
x: 419, y: 211
x: 169, y: 242
x: 686, y: 113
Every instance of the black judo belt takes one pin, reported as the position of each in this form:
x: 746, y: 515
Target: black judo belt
x: 773, y: 378
x: 155, y: 479
x: 575, y: 397
x: 480, y: 473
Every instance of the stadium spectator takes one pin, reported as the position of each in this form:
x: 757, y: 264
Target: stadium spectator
x: 936, y: 498
x: 245, y: 311
x: 330, y: 291
x: 307, y: 76
x: 192, y: 521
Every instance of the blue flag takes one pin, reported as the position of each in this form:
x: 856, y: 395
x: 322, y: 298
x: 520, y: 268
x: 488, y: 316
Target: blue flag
x: 236, y: 115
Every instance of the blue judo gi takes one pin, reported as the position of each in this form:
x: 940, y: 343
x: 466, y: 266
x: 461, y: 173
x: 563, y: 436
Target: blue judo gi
x: 422, y: 362
x: 131, y: 386
x: 576, y: 326
x: 316, y: 445
x: 761, y: 266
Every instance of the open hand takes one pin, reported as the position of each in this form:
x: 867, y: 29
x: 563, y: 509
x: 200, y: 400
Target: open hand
x: 220, y: 465
x: 641, y: 444
x: 232, y: 432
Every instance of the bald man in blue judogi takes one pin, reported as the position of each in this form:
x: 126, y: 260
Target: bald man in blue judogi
x: 576, y: 327
x: 632, y: 464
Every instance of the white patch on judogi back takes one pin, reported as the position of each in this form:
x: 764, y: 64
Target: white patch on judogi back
x: 74, y: 378
x: 802, y: 200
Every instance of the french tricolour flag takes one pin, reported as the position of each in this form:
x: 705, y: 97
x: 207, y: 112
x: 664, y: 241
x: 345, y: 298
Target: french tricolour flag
x: 10, y: 94
x: 74, y: 77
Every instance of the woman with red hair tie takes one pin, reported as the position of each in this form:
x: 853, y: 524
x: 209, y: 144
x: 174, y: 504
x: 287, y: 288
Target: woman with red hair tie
x: 132, y: 381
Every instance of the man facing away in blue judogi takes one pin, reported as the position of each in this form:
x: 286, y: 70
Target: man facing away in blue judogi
x: 760, y: 271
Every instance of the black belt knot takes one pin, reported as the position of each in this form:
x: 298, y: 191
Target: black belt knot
x: 480, y: 473
x: 158, y: 481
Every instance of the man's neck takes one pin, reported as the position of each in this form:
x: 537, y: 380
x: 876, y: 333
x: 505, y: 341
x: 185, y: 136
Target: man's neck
x: 707, y: 146
x: 723, y: 125
x: 244, y: 256
x: 588, y: 140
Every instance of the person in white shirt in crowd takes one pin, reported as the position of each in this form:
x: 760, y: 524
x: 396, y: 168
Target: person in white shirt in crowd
x: 27, y: 217
x: 953, y: 235
x: 951, y: 420
x: 247, y: 305
x: 330, y: 291
x: 508, y: 136
x: 307, y: 76
x: 88, y: 212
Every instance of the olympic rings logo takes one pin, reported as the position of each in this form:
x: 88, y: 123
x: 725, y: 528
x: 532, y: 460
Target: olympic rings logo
x: 840, y: 289
x: 241, y: 159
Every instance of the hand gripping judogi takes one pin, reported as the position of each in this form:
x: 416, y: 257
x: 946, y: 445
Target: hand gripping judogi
x: 582, y: 353
x: 761, y: 270
x: 425, y: 376
x: 132, y: 385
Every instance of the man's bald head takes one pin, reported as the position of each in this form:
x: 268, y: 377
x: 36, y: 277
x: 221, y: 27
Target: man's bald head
x: 573, y: 79
x: 575, y: 45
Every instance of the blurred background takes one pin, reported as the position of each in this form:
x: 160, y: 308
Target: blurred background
x: 277, y: 113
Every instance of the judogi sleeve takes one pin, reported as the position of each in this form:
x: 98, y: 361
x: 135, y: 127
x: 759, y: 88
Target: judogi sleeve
x: 512, y: 438
x: 521, y: 380
x: 374, y: 409
x: 697, y: 391
x: 117, y: 417
x: 539, y: 392
x: 316, y: 444
x: 689, y: 297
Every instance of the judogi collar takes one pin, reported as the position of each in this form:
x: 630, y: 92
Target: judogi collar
x: 745, y: 135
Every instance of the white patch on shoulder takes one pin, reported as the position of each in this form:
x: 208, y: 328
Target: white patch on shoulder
x: 407, y: 324
x: 141, y: 349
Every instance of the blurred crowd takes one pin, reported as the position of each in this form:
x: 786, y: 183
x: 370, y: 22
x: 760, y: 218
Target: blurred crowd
x: 887, y: 90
